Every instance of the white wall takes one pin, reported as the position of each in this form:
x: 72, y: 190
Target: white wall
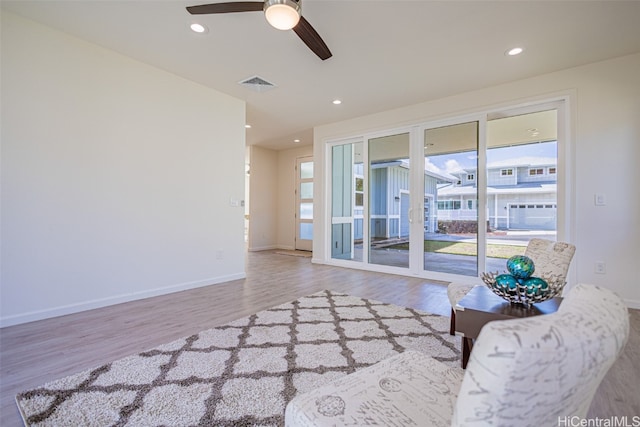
x: 263, y: 209
x: 286, y: 194
x: 116, y: 177
x: 605, y: 137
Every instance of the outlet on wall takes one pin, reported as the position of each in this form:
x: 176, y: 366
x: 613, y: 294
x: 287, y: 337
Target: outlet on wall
x: 601, y: 267
x: 600, y: 199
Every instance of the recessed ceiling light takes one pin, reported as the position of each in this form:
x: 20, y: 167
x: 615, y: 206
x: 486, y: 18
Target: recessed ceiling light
x: 247, y: 126
x: 515, y: 51
x: 198, y: 28
x: 296, y: 140
x: 337, y: 102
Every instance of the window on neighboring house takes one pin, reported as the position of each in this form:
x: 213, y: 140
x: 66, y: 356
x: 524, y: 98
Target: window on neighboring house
x: 536, y: 171
x: 506, y: 172
x: 449, y: 204
x: 552, y: 171
x: 470, y: 204
x: 471, y: 177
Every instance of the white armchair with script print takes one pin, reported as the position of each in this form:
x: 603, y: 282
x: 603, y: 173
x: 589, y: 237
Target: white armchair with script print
x: 523, y: 372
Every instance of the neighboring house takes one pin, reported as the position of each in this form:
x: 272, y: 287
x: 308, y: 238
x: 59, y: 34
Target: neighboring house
x: 521, y: 194
x: 389, y: 199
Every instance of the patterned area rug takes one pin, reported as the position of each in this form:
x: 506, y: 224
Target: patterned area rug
x: 243, y: 373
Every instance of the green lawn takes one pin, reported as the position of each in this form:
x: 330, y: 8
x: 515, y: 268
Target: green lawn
x: 462, y: 248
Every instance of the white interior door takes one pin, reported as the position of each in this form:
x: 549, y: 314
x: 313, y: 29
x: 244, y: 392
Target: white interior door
x: 304, y: 204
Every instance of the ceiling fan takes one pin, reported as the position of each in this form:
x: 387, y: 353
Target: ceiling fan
x: 281, y: 14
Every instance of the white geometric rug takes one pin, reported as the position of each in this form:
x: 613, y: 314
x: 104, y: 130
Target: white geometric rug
x: 243, y: 373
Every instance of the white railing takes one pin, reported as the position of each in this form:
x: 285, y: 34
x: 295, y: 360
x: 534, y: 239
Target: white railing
x: 457, y: 214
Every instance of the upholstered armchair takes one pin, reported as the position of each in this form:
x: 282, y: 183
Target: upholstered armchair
x: 550, y: 259
x: 524, y: 372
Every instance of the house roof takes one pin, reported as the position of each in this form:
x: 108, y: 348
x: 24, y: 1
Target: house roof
x: 386, y: 54
x: 528, y: 188
x: 526, y: 162
x: 438, y: 175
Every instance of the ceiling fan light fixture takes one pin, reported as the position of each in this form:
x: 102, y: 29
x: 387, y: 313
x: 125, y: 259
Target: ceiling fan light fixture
x: 282, y: 14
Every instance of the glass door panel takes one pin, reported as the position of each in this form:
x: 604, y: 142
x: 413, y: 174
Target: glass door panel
x: 522, y: 171
x: 347, y: 201
x: 389, y: 208
x: 306, y: 190
x: 306, y: 170
x: 306, y: 210
x: 450, y: 199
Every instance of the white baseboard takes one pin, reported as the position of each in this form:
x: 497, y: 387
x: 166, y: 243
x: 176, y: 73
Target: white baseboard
x: 632, y: 304
x: 262, y: 248
x: 32, y: 316
x: 270, y: 248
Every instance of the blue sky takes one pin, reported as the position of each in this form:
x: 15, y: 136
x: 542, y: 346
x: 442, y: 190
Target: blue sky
x: 450, y: 162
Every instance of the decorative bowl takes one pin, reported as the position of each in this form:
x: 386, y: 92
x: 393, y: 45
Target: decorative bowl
x: 518, y: 286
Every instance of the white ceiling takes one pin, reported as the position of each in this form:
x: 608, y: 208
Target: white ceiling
x: 386, y: 54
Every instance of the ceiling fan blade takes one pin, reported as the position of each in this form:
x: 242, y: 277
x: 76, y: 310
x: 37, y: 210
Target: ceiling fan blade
x: 230, y: 7
x: 312, y: 39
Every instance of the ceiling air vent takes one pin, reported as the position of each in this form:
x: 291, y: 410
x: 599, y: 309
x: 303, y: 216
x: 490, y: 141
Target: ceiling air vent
x: 257, y: 84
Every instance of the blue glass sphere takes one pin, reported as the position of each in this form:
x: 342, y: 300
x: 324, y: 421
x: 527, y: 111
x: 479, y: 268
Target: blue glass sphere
x: 536, y: 286
x: 505, y: 282
x: 520, y: 266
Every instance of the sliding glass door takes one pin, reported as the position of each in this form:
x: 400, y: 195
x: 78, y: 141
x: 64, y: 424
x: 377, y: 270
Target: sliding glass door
x: 388, y: 194
x: 456, y: 197
x: 450, y: 241
x: 522, y: 183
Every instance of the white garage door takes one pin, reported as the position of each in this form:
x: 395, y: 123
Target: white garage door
x: 532, y: 216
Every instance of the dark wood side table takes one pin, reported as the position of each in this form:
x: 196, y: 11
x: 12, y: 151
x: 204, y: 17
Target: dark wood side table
x: 481, y: 306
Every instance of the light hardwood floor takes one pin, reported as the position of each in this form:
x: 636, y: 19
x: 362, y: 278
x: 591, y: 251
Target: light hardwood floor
x: 37, y: 352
